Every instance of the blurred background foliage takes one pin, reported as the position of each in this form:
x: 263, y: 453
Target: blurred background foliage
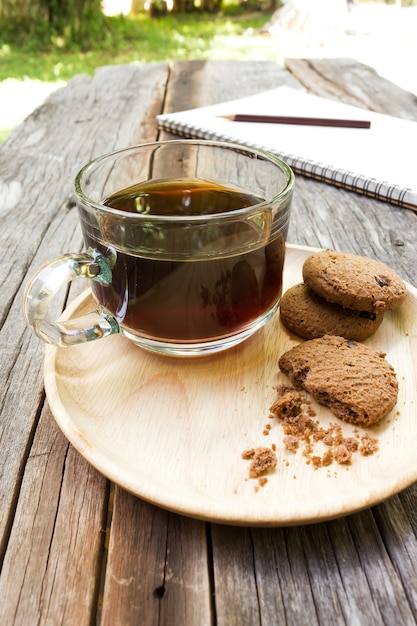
x: 51, y: 39
x: 55, y: 39
x: 44, y: 43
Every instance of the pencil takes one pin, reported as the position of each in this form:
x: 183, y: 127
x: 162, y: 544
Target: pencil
x: 304, y: 121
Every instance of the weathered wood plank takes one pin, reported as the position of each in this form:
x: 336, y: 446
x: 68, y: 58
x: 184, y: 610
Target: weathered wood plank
x: 210, y: 82
x: 38, y: 163
x: 53, y: 505
x: 157, y: 569
x: 371, y: 582
x: 397, y: 526
x: 235, y: 585
x: 292, y: 577
x: 329, y: 217
x: 353, y: 83
x: 189, y: 85
x: 325, y: 573
x: 50, y: 571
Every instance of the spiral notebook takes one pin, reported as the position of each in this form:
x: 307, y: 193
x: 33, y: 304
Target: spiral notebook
x: 379, y: 161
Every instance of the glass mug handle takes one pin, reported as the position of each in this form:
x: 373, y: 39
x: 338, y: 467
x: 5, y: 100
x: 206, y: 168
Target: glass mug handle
x: 44, y: 285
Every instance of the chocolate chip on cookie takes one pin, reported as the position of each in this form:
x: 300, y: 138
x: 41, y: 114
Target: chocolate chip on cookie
x: 356, y: 383
x: 354, y: 282
x: 308, y: 315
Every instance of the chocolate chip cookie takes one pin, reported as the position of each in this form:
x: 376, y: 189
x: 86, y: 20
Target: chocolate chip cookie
x: 356, y: 383
x: 308, y: 315
x: 354, y: 282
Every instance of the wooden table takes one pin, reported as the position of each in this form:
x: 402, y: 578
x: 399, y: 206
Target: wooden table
x: 76, y: 549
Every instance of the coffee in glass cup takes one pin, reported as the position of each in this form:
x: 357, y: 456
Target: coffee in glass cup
x: 185, y: 246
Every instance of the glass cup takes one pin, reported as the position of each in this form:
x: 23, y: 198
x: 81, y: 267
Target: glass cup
x: 185, y: 246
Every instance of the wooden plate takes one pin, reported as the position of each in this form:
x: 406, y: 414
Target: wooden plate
x: 172, y: 431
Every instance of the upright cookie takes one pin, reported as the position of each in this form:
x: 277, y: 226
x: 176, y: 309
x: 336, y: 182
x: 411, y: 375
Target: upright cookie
x: 356, y: 383
x: 355, y: 282
x: 309, y: 316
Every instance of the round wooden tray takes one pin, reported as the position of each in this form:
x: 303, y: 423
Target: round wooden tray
x: 172, y: 431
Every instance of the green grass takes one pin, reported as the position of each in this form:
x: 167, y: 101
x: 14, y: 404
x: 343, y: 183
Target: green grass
x: 29, y: 53
x: 28, y: 50
x: 134, y: 40
x: 4, y: 133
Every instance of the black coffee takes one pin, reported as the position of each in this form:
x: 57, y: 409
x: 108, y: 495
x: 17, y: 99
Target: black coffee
x: 190, y: 300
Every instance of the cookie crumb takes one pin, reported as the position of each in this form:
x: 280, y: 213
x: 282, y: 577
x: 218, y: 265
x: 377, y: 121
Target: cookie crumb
x: 351, y: 444
x: 300, y: 429
x: 316, y: 461
x: 263, y: 460
x: 342, y: 455
x: 291, y: 442
x: 289, y: 403
x: 248, y: 454
x: 369, y: 445
x: 327, y: 458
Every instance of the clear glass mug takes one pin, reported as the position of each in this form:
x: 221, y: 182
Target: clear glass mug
x: 185, y: 245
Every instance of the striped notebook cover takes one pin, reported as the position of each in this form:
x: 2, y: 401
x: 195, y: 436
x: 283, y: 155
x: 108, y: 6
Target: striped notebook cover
x: 379, y: 161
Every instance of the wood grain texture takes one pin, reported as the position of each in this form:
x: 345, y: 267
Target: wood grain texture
x: 356, y: 570
x: 211, y: 82
x: 353, y: 83
x: 328, y: 217
x: 337, y: 573
x: 37, y: 165
x: 57, y: 535
x: 230, y: 392
x: 157, y: 571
